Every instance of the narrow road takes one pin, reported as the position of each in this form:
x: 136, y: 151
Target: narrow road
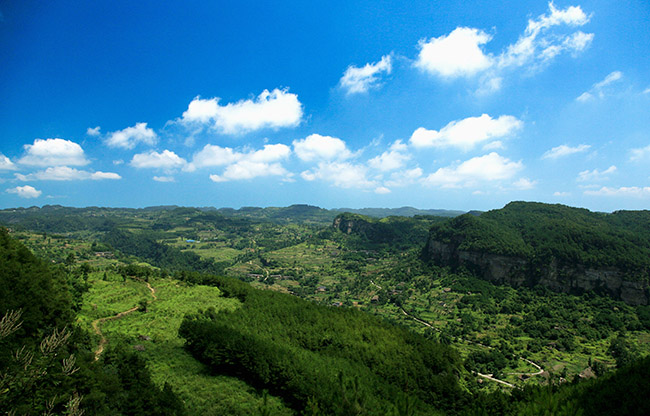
x: 489, y: 377
x: 95, y: 324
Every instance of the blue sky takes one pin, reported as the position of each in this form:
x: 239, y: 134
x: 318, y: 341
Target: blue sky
x: 432, y: 104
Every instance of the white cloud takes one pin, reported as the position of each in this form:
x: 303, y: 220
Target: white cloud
x: 213, y: 155
x: 270, y: 153
x: 564, y: 150
x: 495, y: 145
x: 466, y: 133
x: 455, y: 55
x: 595, y: 175
x: 536, y: 46
x: 25, y: 191
x: 65, y: 173
x: 165, y: 160
x: 491, y: 167
x: 461, y: 53
x: 317, y: 147
x: 129, y: 137
x: 96, y: 176
x: 94, y: 131
x: 248, y: 169
x: 392, y: 159
x: 359, y: 80
x: 640, y: 154
x: 524, y: 184
x: 6, y: 163
x: 275, y: 109
x: 599, y: 89
x: 404, y: 178
x: 340, y: 174
x: 164, y: 179
x: 624, y: 191
x: 558, y: 193
x: 53, y: 152
x: 382, y: 190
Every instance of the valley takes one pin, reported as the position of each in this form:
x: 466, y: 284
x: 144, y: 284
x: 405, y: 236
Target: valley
x: 140, y: 274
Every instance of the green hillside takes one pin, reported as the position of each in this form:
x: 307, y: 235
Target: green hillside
x: 540, y: 233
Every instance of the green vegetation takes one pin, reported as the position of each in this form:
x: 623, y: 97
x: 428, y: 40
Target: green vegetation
x: 542, y: 232
x: 371, y: 328
x: 313, y: 355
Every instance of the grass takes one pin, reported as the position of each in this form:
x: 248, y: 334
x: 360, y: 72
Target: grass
x: 201, y: 392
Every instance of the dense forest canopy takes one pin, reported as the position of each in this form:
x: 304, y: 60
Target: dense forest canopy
x: 541, y: 232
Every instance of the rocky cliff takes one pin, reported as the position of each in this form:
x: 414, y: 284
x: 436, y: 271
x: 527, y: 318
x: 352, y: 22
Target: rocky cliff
x: 517, y: 271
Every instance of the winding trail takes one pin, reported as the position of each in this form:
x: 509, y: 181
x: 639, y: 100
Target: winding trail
x: 95, y: 324
x: 487, y: 376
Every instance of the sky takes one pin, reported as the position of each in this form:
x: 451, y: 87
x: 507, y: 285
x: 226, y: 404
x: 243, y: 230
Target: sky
x: 432, y: 104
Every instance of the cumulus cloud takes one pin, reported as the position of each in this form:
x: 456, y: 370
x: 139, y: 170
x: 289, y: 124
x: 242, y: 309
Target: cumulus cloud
x: 214, y: 155
x: 455, y: 55
x: 394, y: 158
x: 359, y: 80
x: 564, y: 150
x: 241, y: 165
x: 249, y: 169
x: 275, y: 109
x: 624, y: 191
x: 65, y: 173
x: 340, y: 174
x: 317, y: 147
x: 595, y: 175
x: 25, y: 191
x: 599, y: 89
x: 53, y: 152
x: 466, y: 133
x: 94, y: 131
x: 461, y: 53
x: 129, y: 137
x: 165, y: 160
x: 488, y: 168
x: 6, y: 163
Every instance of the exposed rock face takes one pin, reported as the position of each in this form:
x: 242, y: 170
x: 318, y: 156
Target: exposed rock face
x: 517, y: 271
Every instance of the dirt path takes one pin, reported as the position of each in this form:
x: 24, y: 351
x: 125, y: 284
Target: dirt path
x: 95, y: 324
x: 489, y: 377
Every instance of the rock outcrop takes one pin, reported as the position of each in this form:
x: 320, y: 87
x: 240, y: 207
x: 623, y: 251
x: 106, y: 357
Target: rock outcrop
x: 516, y: 271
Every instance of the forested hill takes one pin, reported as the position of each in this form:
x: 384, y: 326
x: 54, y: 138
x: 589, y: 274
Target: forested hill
x: 549, y: 239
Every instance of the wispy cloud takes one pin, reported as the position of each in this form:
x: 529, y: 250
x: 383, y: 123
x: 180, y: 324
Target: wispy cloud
x: 359, y: 80
x: 595, y: 175
x: 565, y: 150
x: 65, y: 173
x: 598, y: 90
x: 624, y: 191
